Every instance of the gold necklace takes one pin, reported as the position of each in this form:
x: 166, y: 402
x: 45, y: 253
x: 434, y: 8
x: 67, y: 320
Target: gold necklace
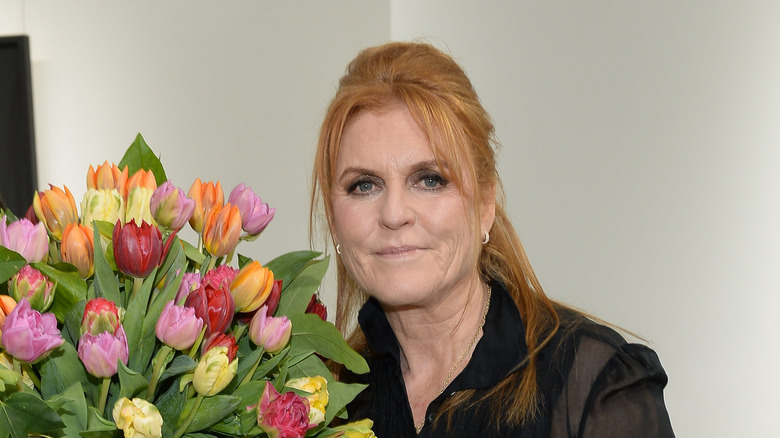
x: 419, y: 427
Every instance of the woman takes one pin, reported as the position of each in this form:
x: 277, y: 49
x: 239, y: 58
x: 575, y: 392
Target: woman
x: 460, y: 337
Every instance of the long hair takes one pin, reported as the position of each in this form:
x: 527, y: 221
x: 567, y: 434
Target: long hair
x: 445, y: 105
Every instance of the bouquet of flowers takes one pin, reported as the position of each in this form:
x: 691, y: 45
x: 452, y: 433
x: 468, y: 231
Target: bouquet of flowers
x: 112, y: 325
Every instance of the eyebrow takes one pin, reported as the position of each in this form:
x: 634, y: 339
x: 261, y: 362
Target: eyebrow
x: 422, y: 165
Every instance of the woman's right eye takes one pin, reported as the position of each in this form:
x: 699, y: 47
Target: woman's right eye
x: 362, y: 187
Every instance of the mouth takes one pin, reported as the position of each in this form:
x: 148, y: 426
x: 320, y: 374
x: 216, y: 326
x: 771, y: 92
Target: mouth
x: 397, y: 251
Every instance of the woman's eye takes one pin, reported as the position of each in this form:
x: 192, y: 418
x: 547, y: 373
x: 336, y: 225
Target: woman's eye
x: 431, y: 181
x: 364, y: 186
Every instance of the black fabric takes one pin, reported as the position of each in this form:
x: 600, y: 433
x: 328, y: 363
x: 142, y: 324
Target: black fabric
x: 592, y: 382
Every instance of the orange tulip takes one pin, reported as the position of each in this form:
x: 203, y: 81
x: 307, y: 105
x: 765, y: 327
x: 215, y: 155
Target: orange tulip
x: 142, y: 178
x: 222, y: 230
x: 77, y: 248
x: 251, y: 287
x: 206, y: 196
x: 108, y: 177
x: 56, y: 209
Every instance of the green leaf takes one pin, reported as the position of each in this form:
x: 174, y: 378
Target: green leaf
x: 63, y: 368
x: 72, y: 408
x: 130, y: 382
x: 339, y: 396
x: 140, y: 156
x: 288, y: 266
x: 106, y: 284
x: 170, y: 404
x: 23, y: 413
x: 309, y: 332
x: 250, y: 392
x: 212, y: 410
x: 296, y: 296
x: 193, y: 253
x: 308, y: 365
x: 10, y: 263
x: 99, y: 427
x: 180, y: 365
x: 70, y: 289
x: 140, y: 347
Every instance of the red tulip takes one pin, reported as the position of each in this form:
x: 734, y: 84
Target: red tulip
x: 222, y: 340
x: 214, y: 306
x: 137, y: 248
x: 317, y: 307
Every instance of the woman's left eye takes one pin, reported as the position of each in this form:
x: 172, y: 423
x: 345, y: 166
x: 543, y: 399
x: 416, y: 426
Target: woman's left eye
x: 431, y: 181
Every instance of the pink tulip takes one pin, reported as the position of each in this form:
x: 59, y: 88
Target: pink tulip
x: 190, y: 282
x: 101, y: 353
x: 170, y: 207
x: 283, y: 415
x: 31, y: 241
x: 29, y: 335
x: 178, y: 327
x: 270, y: 332
x: 31, y: 284
x: 255, y: 214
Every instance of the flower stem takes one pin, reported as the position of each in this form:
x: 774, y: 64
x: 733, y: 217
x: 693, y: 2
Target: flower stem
x: 239, y: 331
x: 248, y: 377
x: 31, y: 373
x: 137, y: 283
x: 159, y: 360
x: 180, y: 431
x: 104, y: 395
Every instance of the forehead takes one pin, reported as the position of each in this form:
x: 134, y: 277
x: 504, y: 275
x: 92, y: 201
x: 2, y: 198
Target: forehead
x: 387, y: 136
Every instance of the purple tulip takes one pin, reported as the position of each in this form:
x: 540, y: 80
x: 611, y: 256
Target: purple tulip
x: 270, y: 332
x: 29, y: 335
x: 178, y: 327
x: 190, y: 282
x: 101, y: 353
x: 255, y: 214
x: 31, y: 241
x: 171, y: 207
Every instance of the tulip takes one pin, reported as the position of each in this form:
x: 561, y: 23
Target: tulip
x: 214, y: 371
x: 31, y: 284
x: 316, y: 307
x: 283, y: 415
x: 101, y: 353
x: 78, y: 248
x: 222, y: 340
x: 206, y: 197
x: 29, y: 335
x: 6, y: 361
x: 255, y: 214
x: 30, y: 215
x: 56, y: 209
x: 170, y: 207
x: 7, y: 305
x: 222, y: 230
x: 356, y: 429
x: 220, y: 277
x: 102, y: 205
x: 137, y: 418
x: 141, y: 178
x: 318, y: 388
x: 100, y: 315
x: 108, y: 177
x: 189, y: 282
x: 251, y: 287
x: 178, y: 327
x: 273, y: 298
x: 137, y: 248
x: 214, y: 306
x: 31, y: 241
x: 138, y: 205
x: 270, y: 332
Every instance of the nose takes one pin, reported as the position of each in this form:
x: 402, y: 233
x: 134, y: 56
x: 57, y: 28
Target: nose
x: 397, y: 209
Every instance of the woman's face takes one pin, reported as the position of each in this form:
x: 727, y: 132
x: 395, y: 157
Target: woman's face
x: 406, y: 234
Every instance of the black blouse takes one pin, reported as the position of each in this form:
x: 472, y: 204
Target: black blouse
x: 592, y: 382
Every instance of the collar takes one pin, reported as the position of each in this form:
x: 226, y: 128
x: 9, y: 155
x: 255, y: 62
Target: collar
x: 501, y: 348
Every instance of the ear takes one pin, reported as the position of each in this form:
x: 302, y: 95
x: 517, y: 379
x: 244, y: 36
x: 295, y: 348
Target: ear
x: 487, y: 212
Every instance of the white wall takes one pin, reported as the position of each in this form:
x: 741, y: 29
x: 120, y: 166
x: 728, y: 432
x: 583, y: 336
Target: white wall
x: 639, y: 144
x: 641, y: 161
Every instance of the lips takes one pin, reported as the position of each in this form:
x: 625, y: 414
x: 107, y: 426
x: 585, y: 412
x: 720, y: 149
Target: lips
x: 397, y: 250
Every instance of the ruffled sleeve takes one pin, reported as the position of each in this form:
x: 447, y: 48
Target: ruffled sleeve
x: 613, y: 389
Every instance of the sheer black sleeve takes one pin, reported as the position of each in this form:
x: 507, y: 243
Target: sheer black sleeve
x: 612, y: 390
